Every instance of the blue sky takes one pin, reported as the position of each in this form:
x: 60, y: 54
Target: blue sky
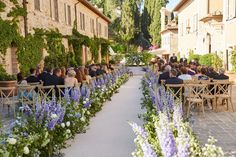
x: 172, y: 4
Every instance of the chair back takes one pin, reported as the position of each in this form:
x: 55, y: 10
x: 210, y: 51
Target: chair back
x: 26, y: 94
x: 8, y: 95
x: 46, y: 92
x: 176, y: 90
x: 63, y: 90
x: 195, y: 90
x: 223, y: 87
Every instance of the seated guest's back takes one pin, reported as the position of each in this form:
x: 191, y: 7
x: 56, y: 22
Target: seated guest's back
x: 32, y: 78
x: 221, y: 75
x: 202, y: 75
x: 71, y: 80
x: 54, y: 79
x: 211, y: 73
x: 184, y: 75
x: 166, y: 74
x: 43, y: 75
x: 92, y: 71
x: 173, y: 78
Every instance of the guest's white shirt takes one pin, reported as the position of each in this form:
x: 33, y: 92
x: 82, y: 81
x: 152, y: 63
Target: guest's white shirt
x: 185, y: 77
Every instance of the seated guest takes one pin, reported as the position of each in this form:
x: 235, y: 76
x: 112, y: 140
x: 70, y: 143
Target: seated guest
x: 202, y: 75
x: 184, y: 76
x: 63, y: 72
x: 54, y: 79
x: 92, y: 71
x: 32, y: 78
x: 78, y: 76
x: 71, y: 80
x: 42, y: 75
x: 165, y: 75
x: 211, y: 73
x: 173, y: 78
x: 20, y: 79
x: 99, y: 70
x: 192, y: 68
x: 88, y: 77
x: 221, y: 75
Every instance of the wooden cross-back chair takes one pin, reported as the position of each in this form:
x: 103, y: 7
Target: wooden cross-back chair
x: 8, y: 96
x: 26, y: 95
x: 194, y: 96
x: 224, y: 92
x: 210, y: 94
x: 63, y: 90
x: 176, y: 90
x: 46, y: 92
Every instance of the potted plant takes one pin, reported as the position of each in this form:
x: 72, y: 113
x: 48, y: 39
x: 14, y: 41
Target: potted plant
x: 6, y: 80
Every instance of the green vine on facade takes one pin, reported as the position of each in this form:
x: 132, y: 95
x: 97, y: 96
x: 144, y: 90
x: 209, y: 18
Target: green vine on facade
x: 233, y: 59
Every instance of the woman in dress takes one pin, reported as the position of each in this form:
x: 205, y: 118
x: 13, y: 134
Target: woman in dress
x: 71, y: 81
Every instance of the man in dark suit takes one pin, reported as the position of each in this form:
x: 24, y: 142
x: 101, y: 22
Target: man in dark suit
x: 173, y: 59
x: 166, y: 74
x: 32, y: 78
x: 211, y: 73
x: 221, y: 75
x: 93, y: 70
x: 43, y: 75
x: 54, y: 79
x: 173, y: 78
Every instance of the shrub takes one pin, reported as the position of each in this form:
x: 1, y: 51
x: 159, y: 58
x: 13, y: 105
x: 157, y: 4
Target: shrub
x: 193, y: 56
x: 233, y: 59
x: 212, y: 60
x: 4, y: 76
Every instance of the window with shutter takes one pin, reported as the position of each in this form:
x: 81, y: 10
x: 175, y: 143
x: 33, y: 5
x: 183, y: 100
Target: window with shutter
x: 99, y: 29
x: 56, y: 10
x: 65, y: 13
x: 69, y: 14
x: 92, y: 25
x: 37, y: 5
x: 82, y: 21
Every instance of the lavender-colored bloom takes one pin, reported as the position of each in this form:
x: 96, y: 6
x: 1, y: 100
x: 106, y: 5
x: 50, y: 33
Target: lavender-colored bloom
x: 83, y: 91
x: 88, y: 103
x: 165, y: 136
x: 78, y: 115
x: 76, y: 94
x: 52, y: 124
x: 142, y: 140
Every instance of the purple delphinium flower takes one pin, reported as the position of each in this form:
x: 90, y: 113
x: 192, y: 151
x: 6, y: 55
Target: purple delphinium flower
x: 142, y: 139
x: 52, y: 124
x: 183, y: 143
x: 88, y: 103
x: 78, y: 115
x: 75, y: 94
x: 165, y: 136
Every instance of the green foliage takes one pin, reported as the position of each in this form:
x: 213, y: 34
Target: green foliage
x: 30, y: 53
x: 2, y: 6
x: 128, y: 20
x: 211, y: 60
x: 4, y: 76
x: 146, y: 57
x: 233, y: 59
x: 193, y: 56
x: 57, y: 56
x: 8, y: 35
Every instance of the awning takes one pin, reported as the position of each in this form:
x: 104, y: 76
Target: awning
x: 159, y: 52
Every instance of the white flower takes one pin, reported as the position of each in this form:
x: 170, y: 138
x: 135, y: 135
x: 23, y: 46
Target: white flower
x: 87, y: 99
x: 82, y: 119
x: 68, y: 131
x: 54, y: 116
x: 12, y: 141
x: 84, y: 102
x: 26, y: 150
x: 68, y: 124
x: 63, y: 125
x: 99, y: 86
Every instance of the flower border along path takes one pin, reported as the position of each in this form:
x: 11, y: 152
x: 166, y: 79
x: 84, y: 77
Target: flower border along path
x: 165, y: 132
x: 43, y: 132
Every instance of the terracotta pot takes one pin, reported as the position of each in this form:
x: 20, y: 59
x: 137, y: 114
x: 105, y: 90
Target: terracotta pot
x: 8, y: 84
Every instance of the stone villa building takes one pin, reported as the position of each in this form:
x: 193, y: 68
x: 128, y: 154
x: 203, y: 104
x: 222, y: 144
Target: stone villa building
x: 61, y: 14
x: 207, y: 26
